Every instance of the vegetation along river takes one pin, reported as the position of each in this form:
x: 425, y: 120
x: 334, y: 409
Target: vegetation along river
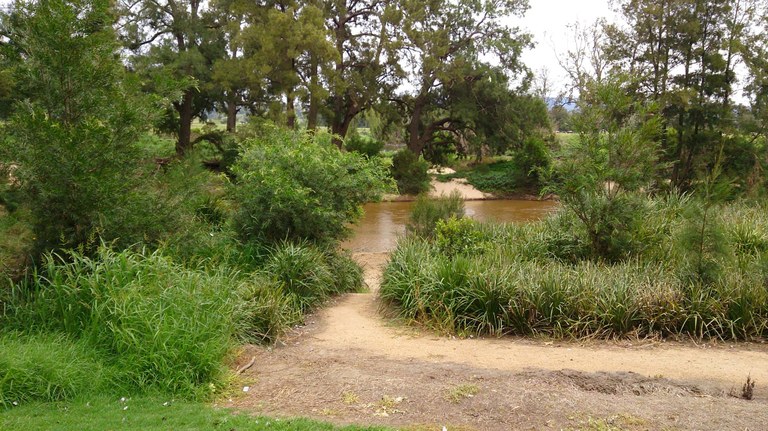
x: 384, y: 222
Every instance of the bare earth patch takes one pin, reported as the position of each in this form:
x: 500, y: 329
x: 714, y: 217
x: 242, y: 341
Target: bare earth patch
x: 350, y: 365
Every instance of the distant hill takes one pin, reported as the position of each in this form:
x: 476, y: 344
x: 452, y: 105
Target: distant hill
x: 551, y: 101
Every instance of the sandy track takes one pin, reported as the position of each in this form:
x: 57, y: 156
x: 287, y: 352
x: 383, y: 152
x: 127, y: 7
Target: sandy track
x: 351, y: 365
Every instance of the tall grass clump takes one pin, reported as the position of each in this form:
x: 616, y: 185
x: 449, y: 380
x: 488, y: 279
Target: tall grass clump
x: 427, y: 211
x: 506, y: 279
x: 46, y: 368
x: 161, y: 326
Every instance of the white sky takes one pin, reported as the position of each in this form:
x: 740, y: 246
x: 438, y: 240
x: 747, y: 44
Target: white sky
x: 547, y: 21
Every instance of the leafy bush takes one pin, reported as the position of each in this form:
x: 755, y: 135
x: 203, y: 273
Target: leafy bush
x: 365, y: 145
x: 410, y: 173
x: 75, y: 139
x: 296, y: 186
x: 457, y: 236
x: 531, y: 159
x: 428, y: 211
x: 46, y: 368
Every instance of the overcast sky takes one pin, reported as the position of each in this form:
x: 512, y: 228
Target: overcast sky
x: 547, y: 21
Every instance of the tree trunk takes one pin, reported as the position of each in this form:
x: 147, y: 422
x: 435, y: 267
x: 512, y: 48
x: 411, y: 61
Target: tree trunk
x: 314, y: 103
x: 339, y: 130
x: 184, y: 143
x: 415, y: 138
x: 290, y: 110
x: 231, y: 112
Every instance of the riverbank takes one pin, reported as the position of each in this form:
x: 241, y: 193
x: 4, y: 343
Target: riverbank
x: 350, y: 364
x: 466, y: 191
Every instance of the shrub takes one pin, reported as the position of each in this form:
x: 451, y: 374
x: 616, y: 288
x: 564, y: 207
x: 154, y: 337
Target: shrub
x: 531, y: 159
x: 296, y: 186
x: 365, y: 145
x: 428, y: 211
x: 456, y: 236
x: 410, y: 173
x: 75, y: 138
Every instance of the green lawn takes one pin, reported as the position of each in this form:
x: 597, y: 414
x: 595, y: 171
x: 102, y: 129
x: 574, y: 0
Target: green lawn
x: 145, y: 414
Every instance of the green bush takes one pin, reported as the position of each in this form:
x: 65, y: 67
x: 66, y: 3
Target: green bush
x: 75, y: 138
x: 410, y: 173
x: 457, y: 236
x: 365, y: 145
x: 160, y: 325
x: 531, y: 159
x: 296, y: 186
x: 428, y: 211
x: 46, y: 368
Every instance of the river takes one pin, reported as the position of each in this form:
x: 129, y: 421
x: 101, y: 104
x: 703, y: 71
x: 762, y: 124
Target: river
x: 384, y: 222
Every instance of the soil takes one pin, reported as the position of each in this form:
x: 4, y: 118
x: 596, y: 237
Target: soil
x: 351, y: 365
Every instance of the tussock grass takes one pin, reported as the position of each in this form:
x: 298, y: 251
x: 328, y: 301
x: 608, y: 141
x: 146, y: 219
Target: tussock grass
x: 46, y: 367
x: 152, y: 324
x: 531, y: 279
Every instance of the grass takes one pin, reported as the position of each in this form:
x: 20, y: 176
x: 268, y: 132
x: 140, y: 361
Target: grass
x: 461, y: 392
x: 524, y: 280
x: 146, y: 414
x: 138, y: 322
x: 499, y: 176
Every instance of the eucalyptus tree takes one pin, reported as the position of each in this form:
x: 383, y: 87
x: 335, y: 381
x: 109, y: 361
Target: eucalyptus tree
x: 448, y: 46
x: 175, y: 43
x: 286, y: 44
x: 365, y: 68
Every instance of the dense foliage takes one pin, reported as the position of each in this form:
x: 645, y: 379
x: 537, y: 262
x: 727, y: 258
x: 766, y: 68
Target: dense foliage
x: 293, y: 185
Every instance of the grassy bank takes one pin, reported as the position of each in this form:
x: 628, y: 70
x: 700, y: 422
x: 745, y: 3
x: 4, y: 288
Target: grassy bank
x: 539, y: 278
x: 146, y: 414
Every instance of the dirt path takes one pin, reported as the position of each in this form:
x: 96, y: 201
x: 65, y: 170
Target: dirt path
x: 349, y: 365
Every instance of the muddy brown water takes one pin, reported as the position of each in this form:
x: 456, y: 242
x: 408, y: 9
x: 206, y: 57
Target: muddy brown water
x: 384, y: 222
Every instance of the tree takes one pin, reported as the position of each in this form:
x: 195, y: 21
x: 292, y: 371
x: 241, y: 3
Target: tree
x: 448, y: 42
x: 617, y: 153
x: 175, y: 44
x: 287, y: 44
x: 74, y: 135
x: 365, y: 68
x: 685, y: 54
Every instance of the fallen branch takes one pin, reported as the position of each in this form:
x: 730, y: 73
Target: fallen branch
x: 242, y: 369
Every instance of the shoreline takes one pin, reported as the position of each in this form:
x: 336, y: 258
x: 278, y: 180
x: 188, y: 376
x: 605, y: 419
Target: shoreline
x: 467, y: 192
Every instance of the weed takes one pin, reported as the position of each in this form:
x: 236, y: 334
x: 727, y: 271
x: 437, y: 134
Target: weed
x: 460, y: 392
x: 747, y: 391
x: 350, y: 398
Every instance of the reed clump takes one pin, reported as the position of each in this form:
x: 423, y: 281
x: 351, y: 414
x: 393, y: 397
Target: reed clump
x: 539, y: 278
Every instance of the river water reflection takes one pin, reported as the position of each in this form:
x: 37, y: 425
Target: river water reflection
x: 384, y: 222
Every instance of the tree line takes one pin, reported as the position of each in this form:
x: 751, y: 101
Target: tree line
x: 700, y: 68
x: 428, y: 68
